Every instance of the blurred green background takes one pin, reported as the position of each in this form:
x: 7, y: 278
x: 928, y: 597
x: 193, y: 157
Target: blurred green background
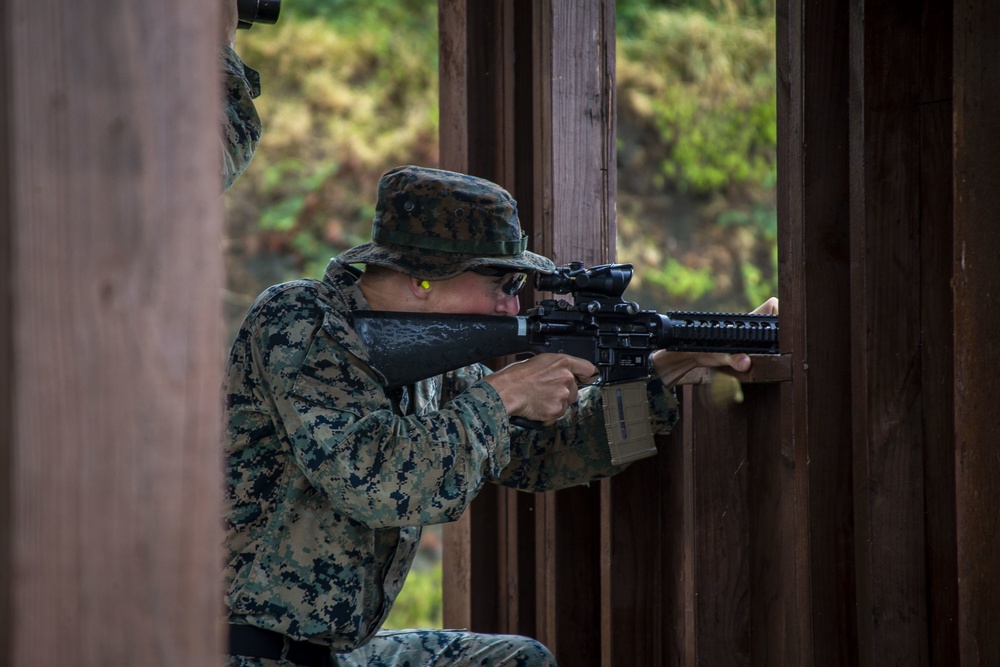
x: 350, y: 89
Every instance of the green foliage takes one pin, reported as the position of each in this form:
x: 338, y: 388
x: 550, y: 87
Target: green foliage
x: 633, y: 14
x: 344, y: 98
x: 350, y: 89
x: 359, y: 16
x: 757, y: 286
x: 419, y: 603
x: 697, y: 106
x: 681, y: 283
x: 708, y: 88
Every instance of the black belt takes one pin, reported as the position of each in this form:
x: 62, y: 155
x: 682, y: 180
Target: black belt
x: 251, y: 642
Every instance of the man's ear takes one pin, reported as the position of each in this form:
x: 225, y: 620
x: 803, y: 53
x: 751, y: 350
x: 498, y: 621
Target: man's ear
x: 419, y: 288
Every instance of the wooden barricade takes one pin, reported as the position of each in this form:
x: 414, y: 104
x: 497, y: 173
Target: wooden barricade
x: 844, y: 513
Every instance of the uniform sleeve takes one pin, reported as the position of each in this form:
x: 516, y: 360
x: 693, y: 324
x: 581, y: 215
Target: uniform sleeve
x: 575, y: 450
x: 379, y: 468
x: 241, y: 127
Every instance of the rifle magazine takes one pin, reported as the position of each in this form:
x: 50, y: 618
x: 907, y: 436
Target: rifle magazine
x: 626, y: 420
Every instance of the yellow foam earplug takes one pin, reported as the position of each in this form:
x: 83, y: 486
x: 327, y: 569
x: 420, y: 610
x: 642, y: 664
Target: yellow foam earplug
x: 425, y: 284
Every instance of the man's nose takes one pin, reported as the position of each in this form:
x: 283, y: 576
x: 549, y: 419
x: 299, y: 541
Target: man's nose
x: 508, y: 305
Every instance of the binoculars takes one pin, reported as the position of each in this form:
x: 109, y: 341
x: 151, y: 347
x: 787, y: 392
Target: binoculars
x: 257, y: 11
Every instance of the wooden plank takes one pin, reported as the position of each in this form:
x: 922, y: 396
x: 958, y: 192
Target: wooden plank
x: 114, y: 220
x: 977, y: 284
x: 574, y: 139
x: 937, y: 347
x: 453, y: 89
x: 773, y: 613
x: 487, y: 70
x: 457, y: 565
x: 481, y: 557
x: 717, y: 437
x: 574, y: 559
x: 676, y: 595
x: 8, y: 383
x: 635, y: 578
x: 522, y: 584
x: 688, y: 647
x: 576, y: 132
x: 814, y: 283
x: 485, y: 543
x: 456, y: 572
x: 633, y: 624
x: 886, y: 370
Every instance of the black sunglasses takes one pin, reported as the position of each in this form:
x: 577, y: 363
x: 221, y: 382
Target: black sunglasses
x: 511, y: 287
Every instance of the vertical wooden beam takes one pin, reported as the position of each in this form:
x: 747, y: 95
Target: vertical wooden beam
x: 774, y: 623
x: 453, y: 90
x: 575, y: 138
x: 575, y: 181
x: 7, y: 328
x: 720, y: 570
x: 813, y: 254
x: 886, y: 334
x: 457, y: 566
x: 977, y: 319
x: 483, y: 557
x: 937, y: 326
x: 639, y: 626
x: 112, y: 330
x: 536, y: 115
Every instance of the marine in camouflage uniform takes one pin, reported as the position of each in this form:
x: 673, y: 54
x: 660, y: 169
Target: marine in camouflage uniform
x: 330, y: 476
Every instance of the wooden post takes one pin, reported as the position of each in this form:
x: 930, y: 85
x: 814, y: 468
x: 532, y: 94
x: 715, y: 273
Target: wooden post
x: 574, y: 220
x: 110, y: 333
x: 813, y: 247
x: 886, y: 371
x: 977, y: 319
x: 527, y: 101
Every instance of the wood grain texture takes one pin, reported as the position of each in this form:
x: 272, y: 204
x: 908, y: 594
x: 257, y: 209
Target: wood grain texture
x: 114, y: 220
x: 845, y: 514
x: 814, y: 285
x: 976, y: 285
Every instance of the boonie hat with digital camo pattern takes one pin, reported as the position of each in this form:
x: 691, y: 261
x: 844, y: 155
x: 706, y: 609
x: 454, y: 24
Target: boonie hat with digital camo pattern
x: 436, y: 224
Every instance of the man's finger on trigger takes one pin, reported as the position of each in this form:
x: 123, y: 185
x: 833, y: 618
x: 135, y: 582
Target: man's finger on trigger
x: 582, y: 368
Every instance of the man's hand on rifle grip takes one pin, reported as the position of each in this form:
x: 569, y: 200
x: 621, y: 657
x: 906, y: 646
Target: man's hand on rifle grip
x: 541, y: 388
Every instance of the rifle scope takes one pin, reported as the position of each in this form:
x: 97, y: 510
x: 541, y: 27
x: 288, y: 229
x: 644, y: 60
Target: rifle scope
x: 608, y: 280
x: 257, y: 11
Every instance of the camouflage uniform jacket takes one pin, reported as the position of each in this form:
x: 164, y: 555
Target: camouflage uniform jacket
x: 241, y: 126
x: 329, y: 476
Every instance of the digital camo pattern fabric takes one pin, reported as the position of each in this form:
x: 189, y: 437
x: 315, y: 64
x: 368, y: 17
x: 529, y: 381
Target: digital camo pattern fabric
x: 329, y: 476
x: 433, y: 648
x: 435, y: 224
x: 241, y: 125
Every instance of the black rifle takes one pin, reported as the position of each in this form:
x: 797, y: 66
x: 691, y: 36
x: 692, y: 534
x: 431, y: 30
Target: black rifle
x: 599, y: 326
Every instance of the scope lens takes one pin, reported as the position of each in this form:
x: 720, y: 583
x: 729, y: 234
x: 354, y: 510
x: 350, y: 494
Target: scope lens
x: 258, y: 11
x: 268, y: 10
